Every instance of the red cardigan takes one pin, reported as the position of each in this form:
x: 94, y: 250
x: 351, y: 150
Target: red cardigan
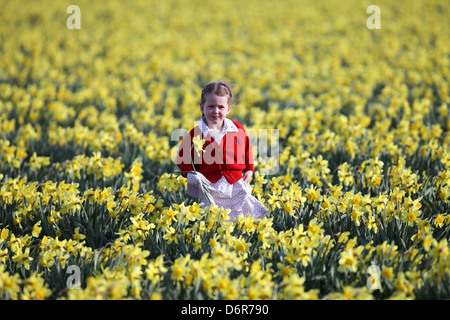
x: 230, y: 159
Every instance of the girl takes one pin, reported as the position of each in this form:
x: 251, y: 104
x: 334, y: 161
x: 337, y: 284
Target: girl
x: 225, y: 162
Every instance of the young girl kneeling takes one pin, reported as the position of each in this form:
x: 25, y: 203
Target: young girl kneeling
x: 225, y: 164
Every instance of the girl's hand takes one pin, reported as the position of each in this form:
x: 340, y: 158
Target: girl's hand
x: 247, y: 176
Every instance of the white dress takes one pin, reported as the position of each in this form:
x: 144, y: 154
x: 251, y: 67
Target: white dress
x: 237, y: 197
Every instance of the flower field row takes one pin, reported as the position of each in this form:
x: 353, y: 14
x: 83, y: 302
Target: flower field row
x: 359, y: 206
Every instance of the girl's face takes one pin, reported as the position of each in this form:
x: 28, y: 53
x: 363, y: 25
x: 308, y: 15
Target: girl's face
x: 215, y: 109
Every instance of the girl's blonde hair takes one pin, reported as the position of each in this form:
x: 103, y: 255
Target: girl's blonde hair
x: 219, y: 88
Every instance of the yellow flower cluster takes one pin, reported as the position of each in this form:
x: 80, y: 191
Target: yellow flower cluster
x: 358, y: 208
x: 101, y: 168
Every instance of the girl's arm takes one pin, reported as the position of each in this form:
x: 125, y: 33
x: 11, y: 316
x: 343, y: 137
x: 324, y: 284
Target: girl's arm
x: 248, y: 155
x: 183, y: 160
x: 249, y: 167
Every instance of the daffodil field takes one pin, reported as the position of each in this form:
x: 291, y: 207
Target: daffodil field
x: 91, y: 206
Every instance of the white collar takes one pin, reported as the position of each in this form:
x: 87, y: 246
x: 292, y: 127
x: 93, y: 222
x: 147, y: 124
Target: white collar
x: 228, y: 126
